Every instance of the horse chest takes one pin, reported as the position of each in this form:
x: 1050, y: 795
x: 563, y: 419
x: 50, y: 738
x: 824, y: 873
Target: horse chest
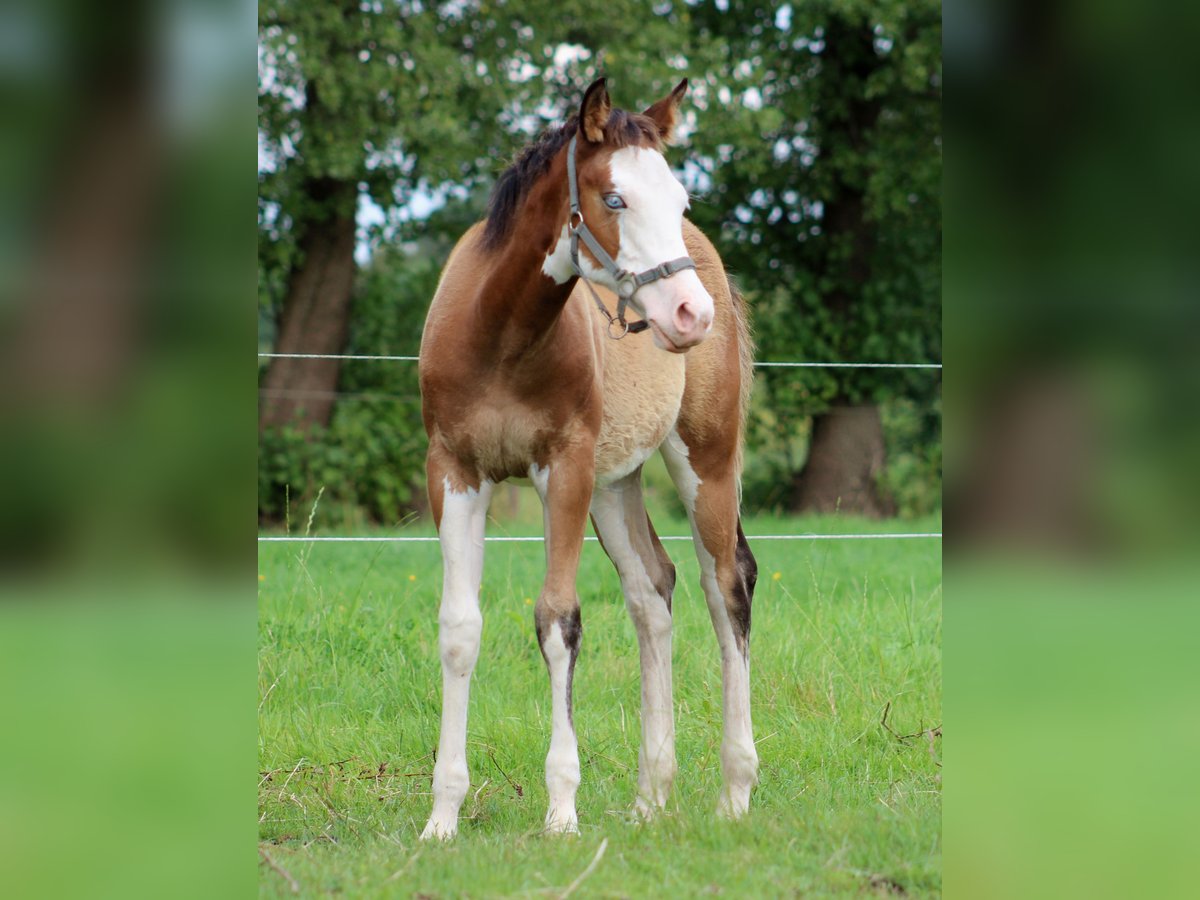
x: 501, y: 440
x: 643, y: 389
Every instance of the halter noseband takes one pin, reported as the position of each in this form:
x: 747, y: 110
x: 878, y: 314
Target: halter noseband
x: 627, y: 282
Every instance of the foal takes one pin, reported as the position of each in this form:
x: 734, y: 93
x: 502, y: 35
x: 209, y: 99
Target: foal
x: 520, y: 379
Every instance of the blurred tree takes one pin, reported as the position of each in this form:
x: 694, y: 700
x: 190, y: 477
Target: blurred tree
x: 820, y: 135
x: 355, y: 98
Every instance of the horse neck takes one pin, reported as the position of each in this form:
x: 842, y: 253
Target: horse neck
x: 518, y: 300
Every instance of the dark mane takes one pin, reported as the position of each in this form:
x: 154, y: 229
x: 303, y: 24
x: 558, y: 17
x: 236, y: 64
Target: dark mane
x: 624, y: 129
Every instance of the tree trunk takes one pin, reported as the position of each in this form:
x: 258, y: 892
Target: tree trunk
x: 847, y: 452
x: 316, y: 315
x: 845, y: 459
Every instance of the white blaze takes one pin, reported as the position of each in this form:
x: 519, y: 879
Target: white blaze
x: 651, y: 225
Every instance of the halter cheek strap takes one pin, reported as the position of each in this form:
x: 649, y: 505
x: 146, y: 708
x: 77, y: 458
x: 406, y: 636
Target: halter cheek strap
x: 627, y: 282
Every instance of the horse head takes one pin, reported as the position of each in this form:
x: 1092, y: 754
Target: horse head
x: 631, y: 204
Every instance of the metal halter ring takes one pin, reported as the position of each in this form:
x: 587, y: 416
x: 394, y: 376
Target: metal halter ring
x: 572, y: 225
x: 626, y: 285
x: 624, y: 326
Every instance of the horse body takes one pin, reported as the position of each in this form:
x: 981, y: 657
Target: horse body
x: 506, y: 410
x: 519, y: 379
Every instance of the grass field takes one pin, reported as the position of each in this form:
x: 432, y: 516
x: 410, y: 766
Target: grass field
x: 349, y: 696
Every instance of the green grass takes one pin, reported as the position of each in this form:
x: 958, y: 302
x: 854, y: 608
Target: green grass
x: 349, y: 693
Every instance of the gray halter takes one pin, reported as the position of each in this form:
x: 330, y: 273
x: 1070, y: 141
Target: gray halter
x: 627, y: 282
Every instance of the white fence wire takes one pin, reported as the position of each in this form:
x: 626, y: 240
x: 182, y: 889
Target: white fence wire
x: 761, y: 365
x: 502, y: 539
x: 350, y: 539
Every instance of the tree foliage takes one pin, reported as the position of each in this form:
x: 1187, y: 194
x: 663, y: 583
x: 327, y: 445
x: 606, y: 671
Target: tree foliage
x: 777, y: 137
x: 407, y: 97
x: 371, y: 457
x: 818, y: 136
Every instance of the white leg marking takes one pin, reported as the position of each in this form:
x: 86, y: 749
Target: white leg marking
x: 562, y: 762
x: 739, y: 758
x: 460, y: 622
x: 648, y: 610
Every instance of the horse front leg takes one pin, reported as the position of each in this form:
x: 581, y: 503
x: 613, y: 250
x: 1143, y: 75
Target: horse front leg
x: 647, y: 580
x: 460, y: 512
x: 565, y: 486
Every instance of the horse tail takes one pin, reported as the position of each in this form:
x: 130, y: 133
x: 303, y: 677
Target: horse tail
x: 745, y: 342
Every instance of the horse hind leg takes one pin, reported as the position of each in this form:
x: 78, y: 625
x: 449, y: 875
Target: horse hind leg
x: 647, y: 581
x: 461, y: 515
x: 728, y: 575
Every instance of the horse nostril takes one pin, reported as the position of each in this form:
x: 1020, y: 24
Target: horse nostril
x: 685, y: 318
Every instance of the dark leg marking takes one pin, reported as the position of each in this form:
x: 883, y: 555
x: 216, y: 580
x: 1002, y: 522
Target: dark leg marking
x: 664, y: 578
x: 571, y: 628
x: 744, y: 580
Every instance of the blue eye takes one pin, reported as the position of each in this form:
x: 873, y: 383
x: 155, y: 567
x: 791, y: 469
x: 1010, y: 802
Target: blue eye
x: 614, y: 201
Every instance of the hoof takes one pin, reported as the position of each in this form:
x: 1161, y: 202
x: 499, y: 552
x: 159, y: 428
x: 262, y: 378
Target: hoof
x: 561, y: 825
x: 440, y: 831
x: 645, y: 811
x: 728, y: 808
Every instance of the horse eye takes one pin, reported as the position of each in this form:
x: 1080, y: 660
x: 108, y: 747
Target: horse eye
x: 614, y: 201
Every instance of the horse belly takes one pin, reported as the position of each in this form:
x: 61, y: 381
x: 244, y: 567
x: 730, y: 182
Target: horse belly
x: 643, y: 389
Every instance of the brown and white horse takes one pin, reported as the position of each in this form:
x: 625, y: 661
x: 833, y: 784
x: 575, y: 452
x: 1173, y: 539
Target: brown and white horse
x: 519, y: 379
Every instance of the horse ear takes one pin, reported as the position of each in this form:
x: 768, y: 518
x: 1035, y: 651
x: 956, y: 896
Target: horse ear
x: 594, y: 111
x: 665, y: 113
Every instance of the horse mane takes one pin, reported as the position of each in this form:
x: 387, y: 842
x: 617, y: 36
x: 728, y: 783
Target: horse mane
x: 623, y: 129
